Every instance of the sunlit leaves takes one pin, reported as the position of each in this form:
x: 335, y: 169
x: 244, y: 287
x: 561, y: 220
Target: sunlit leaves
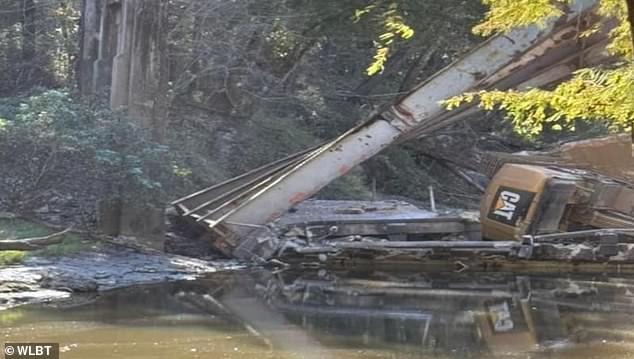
x: 380, y: 58
x: 181, y: 171
x: 359, y: 13
x: 393, y: 28
x: 505, y: 15
x: 396, y: 27
x: 590, y: 95
x: 621, y: 35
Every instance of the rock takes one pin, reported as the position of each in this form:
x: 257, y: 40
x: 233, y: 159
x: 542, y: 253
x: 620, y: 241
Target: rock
x: 43, y: 209
x: 171, y: 211
x: 12, y: 287
x: 108, y: 267
x: 67, y: 281
x: 54, y: 219
x: 102, y: 275
x: 147, y: 269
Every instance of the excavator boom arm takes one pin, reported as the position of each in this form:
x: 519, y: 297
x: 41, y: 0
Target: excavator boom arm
x: 235, y: 209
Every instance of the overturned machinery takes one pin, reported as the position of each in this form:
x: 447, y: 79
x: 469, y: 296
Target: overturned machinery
x: 530, y: 208
x: 539, y: 212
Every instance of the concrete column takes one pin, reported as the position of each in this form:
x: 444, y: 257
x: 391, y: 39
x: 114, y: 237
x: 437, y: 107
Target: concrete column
x: 146, y: 63
x: 108, y: 31
x: 120, y: 88
x: 89, y: 44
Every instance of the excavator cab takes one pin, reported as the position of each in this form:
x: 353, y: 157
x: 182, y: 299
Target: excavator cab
x: 526, y: 199
x: 540, y: 200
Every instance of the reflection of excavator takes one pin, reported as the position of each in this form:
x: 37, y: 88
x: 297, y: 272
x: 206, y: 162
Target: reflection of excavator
x: 458, y: 313
x: 407, y: 314
x: 566, y: 199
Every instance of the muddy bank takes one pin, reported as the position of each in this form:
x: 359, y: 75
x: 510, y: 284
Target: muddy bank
x: 41, y: 279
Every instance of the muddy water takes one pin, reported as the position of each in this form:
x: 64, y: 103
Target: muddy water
x: 343, y: 315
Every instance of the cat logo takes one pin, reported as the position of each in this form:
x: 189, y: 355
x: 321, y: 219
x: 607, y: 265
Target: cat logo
x: 506, y: 204
x: 510, y: 204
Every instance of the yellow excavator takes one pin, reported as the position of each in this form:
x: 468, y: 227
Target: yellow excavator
x: 587, y: 187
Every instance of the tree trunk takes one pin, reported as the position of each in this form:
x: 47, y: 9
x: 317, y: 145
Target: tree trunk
x: 27, y: 244
x: 28, y: 31
x: 630, y: 18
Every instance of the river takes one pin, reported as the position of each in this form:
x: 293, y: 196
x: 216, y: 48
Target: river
x: 322, y: 314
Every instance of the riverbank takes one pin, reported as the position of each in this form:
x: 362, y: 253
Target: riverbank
x: 84, y: 264
x: 42, y: 279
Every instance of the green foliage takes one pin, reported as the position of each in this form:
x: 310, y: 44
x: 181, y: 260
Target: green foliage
x: 38, y: 45
x: 8, y: 258
x: 181, y: 171
x: 20, y: 228
x: 49, y: 132
x: 72, y: 244
x: 592, y: 94
x: 9, y: 317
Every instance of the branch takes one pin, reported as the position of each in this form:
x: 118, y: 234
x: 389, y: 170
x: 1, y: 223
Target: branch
x: 27, y: 244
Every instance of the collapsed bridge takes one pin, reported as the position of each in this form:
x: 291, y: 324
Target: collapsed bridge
x: 235, y: 212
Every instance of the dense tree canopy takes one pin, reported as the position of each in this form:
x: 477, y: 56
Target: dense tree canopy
x: 247, y: 83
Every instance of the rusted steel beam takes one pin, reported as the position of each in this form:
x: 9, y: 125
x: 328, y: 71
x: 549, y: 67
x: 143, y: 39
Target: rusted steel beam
x: 428, y: 244
x: 200, y: 199
x: 584, y: 235
x: 548, y: 62
x: 434, y: 225
x: 317, y: 310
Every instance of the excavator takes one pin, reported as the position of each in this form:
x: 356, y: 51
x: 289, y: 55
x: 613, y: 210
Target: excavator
x: 532, y: 208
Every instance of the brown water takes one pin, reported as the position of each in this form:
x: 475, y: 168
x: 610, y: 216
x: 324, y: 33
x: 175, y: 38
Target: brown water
x: 343, y: 315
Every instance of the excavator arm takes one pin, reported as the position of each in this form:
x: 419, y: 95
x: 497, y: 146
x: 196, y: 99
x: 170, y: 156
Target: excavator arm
x: 236, y: 210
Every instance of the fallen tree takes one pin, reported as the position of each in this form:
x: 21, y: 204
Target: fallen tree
x: 33, y: 243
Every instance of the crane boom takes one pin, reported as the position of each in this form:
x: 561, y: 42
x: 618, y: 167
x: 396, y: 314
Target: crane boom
x: 530, y: 56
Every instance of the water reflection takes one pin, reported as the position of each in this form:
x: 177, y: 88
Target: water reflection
x: 345, y: 314
x: 451, y: 312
